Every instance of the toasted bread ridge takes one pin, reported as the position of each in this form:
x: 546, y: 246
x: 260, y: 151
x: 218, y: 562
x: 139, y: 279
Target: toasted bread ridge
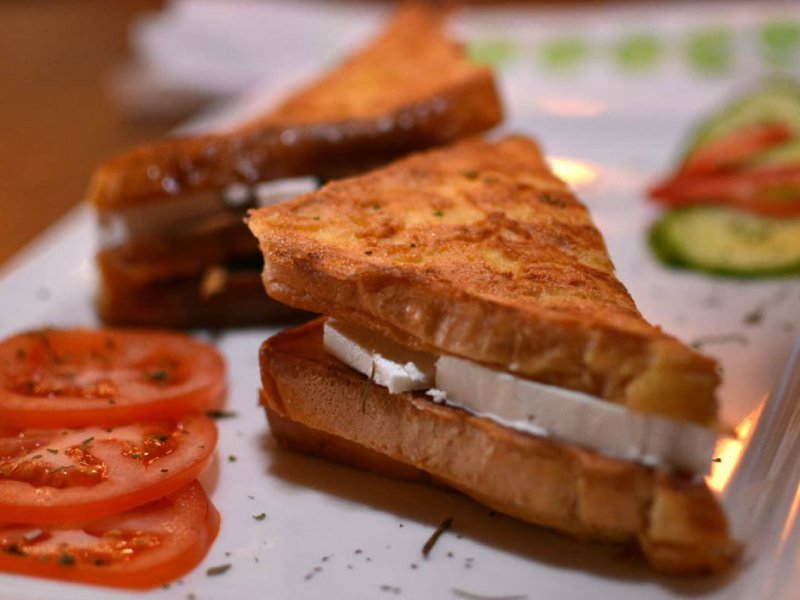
x: 479, y: 251
x: 677, y: 522
x: 409, y: 89
x: 181, y: 303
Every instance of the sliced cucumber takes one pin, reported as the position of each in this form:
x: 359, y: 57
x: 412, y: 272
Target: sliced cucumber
x: 727, y: 241
x: 776, y: 102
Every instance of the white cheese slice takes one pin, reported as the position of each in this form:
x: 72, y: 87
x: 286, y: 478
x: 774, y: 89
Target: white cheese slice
x: 574, y: 417
x: 524, y: 405
x: 279, y: 190
x: 388, y: 364
x: 206, y: 210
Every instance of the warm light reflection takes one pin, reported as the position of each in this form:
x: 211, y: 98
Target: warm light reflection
x: 575, y: 172
x: 790, y: 520
x: 729, y: 451
x: 570, y: 107
x: 86, y: 268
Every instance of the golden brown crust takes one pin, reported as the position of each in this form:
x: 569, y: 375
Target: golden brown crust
x: 299, y: 438
x: 143, y: 261
x: 479, y: 251
x: 181, y: 303
x: 677, y: 523
x: 410, y: 89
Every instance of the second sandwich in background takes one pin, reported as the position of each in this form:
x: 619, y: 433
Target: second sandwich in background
x: 174, y: 251
x: 477, y: 335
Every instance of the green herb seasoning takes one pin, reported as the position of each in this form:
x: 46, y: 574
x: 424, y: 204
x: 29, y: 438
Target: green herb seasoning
x: 443, y: 526
x: 218, y: 570
x: 66, y: 560
x: 754, y: 317
x: 157, y: 376
x: 15, y: 550
x: 220, y: 414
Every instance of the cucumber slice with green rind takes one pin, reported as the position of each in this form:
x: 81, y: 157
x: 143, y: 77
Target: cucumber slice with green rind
x: 726, y: 241
x: 776, y: 102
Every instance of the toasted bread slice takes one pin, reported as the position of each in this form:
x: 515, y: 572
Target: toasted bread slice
x: 300, y: 438
x: 479, y: 251
x: 237, y: 299
x: 412, y: 88
x: 320, y: 405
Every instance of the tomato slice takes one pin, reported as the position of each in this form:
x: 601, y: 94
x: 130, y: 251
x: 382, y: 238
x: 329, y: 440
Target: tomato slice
x: 80, y: 377
x: 733, y: 149
x: 143, y: 548
x: 56, y: 475
x: 767, y: 191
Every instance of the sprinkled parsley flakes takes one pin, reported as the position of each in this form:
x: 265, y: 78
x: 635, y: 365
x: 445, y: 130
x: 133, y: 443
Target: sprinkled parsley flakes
x: 221, y: 414
x: 218, y: 570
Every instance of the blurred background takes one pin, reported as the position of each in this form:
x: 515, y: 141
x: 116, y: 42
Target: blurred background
x: 56, y: 117
x: 84, y: 79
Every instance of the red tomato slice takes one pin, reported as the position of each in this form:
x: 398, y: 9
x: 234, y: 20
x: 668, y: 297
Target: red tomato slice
x: 768, y: 191
x: 57, y: 475
x: 81, y: 377
x: 731, y: 150
x: 142, y: 548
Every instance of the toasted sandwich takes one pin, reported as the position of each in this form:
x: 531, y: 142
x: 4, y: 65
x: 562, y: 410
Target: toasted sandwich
x: 475, y: 334
x: 174, y: 250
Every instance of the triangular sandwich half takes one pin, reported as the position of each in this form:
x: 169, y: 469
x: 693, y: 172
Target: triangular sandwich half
x: 476, y: 333
x: 174, y: 250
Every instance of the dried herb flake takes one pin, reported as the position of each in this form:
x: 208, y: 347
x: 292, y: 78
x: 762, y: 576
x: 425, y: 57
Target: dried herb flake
x: 221, y: 414
x: 157, y: 376
x: 218, y: 570
x: 443, y: 526
x: 66, y: 560
x: 15, y: 550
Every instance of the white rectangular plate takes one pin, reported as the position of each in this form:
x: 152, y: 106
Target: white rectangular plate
x: 333, y: 532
